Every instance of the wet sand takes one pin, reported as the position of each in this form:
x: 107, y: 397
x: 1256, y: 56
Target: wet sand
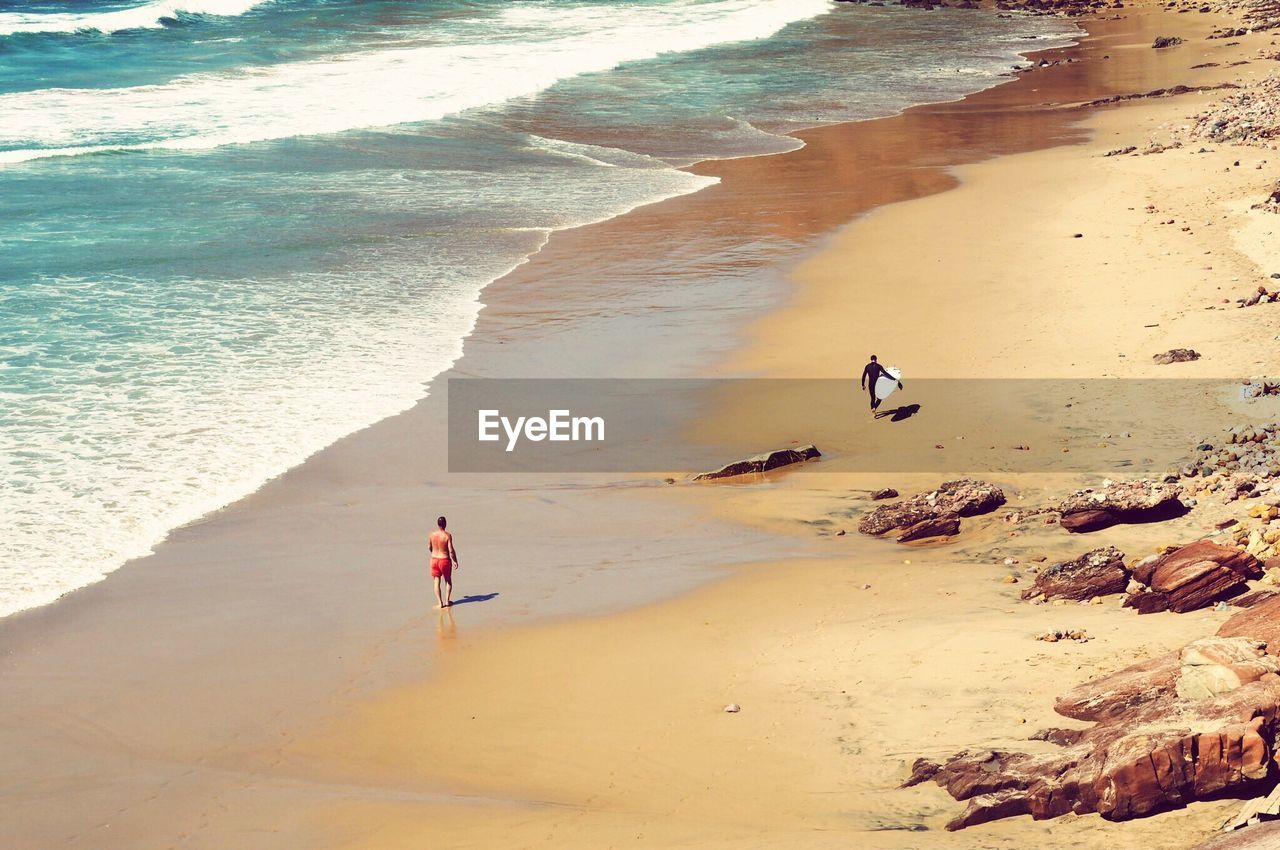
x: 273, y: 677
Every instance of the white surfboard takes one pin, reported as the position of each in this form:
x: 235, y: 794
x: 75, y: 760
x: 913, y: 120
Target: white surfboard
x: 887, y: 383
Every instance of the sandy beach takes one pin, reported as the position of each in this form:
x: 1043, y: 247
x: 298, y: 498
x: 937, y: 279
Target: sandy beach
x: 273, y: 676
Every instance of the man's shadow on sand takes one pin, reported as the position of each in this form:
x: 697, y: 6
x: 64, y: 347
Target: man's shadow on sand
x: 475, y: 597
x: 899, y: 413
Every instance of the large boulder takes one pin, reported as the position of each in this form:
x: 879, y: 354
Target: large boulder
x: 1215, y: 665
x: 1193, y: 577
x: 1098, y: 572
x: 762, y: 463
x: 1119, y: 502
x: 962, y: 498
x: 1161, y: 754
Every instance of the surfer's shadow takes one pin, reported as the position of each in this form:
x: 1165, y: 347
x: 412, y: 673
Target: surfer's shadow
x: 898, y: 414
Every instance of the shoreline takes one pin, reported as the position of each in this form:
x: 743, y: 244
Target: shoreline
x: 702, y: 167
x: 386, y: 629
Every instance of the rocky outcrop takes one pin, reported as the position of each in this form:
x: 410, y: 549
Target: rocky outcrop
x: 1099, y: 572
x: 1112, y: 695
x: 1119, y: 502
x: 1192, y: 724
x: 954, y: 499
x: 1192, y: 577
x: 762, y: 463
x: 1214, y: 666
x: 1161, y: 754
x: 1260, y: 622
x: 1264, y: 836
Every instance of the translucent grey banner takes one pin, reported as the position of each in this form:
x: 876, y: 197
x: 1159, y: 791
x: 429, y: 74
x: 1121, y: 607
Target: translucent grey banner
x: 685, y: 427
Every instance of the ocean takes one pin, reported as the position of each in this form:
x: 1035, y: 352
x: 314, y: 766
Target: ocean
x: 232, y: 232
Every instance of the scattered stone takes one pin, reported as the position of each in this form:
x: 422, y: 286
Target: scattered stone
x: 1055, y: 635
x: 1258, y: 386
x: 1248, y: 116
x: 1176, y: 355
x: 1261, y: 295
x: 1124, y: 502
x: 762, y: 463
x: 1100, y: 572
x: 886, y: 493
x: 732, y: 708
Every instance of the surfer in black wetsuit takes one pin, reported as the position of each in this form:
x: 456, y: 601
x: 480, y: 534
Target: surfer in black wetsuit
x: 870, y: 374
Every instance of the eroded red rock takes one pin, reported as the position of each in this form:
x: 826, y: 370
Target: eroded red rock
x: 1193, y: 577
x: 1125, y: 689
x: 1260, y: 622
x: 1159, y: 754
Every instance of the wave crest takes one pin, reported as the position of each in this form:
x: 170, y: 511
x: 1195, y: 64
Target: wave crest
x: 380, y: 88
x: 146, y: 16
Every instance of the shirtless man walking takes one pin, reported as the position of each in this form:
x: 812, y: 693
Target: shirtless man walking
x: 444, y: 558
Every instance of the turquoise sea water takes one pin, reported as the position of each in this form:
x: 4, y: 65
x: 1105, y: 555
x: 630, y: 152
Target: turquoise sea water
x: 232, y: 232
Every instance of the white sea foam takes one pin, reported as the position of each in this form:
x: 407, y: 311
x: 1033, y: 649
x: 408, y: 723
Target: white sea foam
x: 216, y: 386
x: 146, y: 16
x: 378, y: 88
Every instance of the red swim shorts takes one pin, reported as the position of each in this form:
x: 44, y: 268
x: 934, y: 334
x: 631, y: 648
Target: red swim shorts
x: 441, y: 568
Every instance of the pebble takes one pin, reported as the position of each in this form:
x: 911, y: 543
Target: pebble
x: 732, y: 708
x: 1055, y: 635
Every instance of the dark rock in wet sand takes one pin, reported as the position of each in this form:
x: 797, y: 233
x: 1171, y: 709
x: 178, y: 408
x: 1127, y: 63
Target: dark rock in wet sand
x: 1124, y: 502
x: 762, y: 463
x: 1163, y: 41
x: 1099, y: 572
x: 940, y: 526
x: 961, y: 498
